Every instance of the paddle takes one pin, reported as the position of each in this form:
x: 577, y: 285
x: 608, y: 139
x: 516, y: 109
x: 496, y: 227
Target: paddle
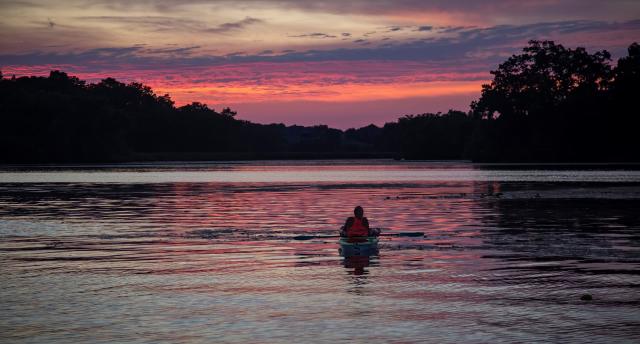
x: 403, y: 234
x: 399, y: 234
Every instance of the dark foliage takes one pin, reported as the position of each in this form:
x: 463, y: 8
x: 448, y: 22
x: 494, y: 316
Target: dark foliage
x: 549, y: 103
x: 556, y: 104
x: 62, y: 119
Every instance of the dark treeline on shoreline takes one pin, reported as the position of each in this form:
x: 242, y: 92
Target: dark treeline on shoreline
x: 547, y: 104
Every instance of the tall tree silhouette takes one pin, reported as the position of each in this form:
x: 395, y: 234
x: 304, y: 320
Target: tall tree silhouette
x: 625, y: 108
x: 542, y: 78
x: 546, y: 104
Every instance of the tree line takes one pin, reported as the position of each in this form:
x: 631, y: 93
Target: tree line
x: 546, y: 104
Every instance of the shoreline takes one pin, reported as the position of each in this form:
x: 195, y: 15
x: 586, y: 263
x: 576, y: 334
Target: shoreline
x: 319, y: 161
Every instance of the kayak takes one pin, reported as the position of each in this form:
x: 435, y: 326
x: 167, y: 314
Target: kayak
x: 358, y: 241
x: 358, y: 246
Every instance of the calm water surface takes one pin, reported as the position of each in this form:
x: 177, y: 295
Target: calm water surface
x: 208, y: 253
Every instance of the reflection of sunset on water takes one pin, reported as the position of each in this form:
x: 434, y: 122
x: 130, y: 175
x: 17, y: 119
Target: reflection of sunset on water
x: 235, y: 255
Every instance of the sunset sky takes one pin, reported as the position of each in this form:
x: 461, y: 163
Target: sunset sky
x: 342, y: 63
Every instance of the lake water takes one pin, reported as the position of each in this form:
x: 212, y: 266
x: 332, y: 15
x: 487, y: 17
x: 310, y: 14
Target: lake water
x: 211, y: 253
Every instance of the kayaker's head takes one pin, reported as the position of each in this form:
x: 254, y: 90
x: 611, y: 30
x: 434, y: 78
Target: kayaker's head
x: 358, y: 212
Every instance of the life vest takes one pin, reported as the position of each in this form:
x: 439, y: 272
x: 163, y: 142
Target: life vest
x: 357, y: 228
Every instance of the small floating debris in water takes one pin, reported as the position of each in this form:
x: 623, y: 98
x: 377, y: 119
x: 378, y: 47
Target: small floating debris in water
x: 586, y: 297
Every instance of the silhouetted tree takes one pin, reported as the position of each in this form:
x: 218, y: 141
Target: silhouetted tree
x: 549, y: 103
x: 542, y: 78
x: 624, y: 118
x: 228, y: 112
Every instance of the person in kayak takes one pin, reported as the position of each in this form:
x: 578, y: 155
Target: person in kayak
x: 358, y: 225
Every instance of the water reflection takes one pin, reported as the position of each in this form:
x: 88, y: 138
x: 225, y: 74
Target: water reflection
x: 501, y: 260
x: 356, y: 262
x: 572, y: 220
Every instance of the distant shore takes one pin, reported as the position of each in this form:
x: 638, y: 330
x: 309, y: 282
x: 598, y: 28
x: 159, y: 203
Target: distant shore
x: 589, y: 117
x: 152, y: 160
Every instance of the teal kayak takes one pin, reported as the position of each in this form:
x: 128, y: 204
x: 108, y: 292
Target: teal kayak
x: 359, y: 241
x: 358, y: 246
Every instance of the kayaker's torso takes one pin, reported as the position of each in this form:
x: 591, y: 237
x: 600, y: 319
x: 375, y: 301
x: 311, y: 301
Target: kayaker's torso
x: 357, y: 227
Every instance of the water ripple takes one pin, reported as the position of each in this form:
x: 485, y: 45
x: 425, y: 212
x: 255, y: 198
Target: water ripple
x: 203, y: 253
